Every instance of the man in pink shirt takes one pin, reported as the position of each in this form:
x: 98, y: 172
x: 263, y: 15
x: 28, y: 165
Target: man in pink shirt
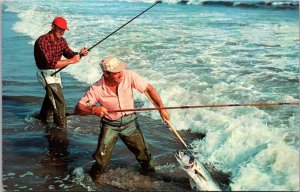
x: 114, y: 91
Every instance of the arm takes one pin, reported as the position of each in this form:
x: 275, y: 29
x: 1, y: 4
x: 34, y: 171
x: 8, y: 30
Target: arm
x: 62, y: 63
x: 154, y: 96
x: 71, y: 56
x: 76, y: 58
x: 87, y: 104
x: 42, y: 54
x: 81, y: 109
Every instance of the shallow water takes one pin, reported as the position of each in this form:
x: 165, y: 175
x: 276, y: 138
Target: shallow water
x: 193, y: 55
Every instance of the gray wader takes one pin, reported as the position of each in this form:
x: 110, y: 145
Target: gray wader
x: 59, y: 110
x: 127, y: 128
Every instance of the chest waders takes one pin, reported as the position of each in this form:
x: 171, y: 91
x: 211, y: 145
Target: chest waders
x: 127, y: 128
x: 59, y: 117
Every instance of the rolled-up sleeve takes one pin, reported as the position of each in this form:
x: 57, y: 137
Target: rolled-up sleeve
x: 90, y: 97
x: 48, y: 53
x: 67, y: 52
x: 138, y: 82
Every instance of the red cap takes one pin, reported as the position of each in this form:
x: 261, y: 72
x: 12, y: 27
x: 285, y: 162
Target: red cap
x: 60, y: 22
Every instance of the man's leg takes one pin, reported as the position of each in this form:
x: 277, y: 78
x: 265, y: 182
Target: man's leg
x: 46, y: 109
x: 59, y: 116
x: 136, y: 144
x: 106, y: 142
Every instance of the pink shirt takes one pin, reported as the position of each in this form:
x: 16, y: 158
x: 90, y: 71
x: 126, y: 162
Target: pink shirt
x: 100, y: 93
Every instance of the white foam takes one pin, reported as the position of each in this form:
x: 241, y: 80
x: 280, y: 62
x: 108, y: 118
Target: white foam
x: 28, y: 173
x: 271, y: 161
x: 41, y: 24
x: 201, y: 63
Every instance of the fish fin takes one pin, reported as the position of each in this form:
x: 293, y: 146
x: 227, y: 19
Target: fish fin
x: 198, y: 173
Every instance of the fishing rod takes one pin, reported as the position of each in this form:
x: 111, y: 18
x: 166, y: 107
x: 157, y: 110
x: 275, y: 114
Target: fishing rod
x: 112, y: 33
x: 169, y: 124
x: 202, y: 106
x: 207, y: 106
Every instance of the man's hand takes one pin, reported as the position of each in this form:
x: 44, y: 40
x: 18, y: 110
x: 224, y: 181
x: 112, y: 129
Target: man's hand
x: 83, y: 52
x: 164, y: 115
x: 155, y: 99
x: 99, y: 111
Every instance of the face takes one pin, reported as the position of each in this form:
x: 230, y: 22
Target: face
x: 57, y: 32
x: 114, y: 78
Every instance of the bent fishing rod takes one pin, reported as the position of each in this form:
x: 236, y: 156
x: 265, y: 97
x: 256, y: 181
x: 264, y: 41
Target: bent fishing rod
x: 113, y: 33
x: 169, y: 123
x: 207, y: 106
x: 203, y: 106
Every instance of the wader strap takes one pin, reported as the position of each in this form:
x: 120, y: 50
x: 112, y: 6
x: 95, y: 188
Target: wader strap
x: 45, y: 78
x: 50, y: 95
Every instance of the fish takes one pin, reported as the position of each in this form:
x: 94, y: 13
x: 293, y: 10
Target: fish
x: 200, y: 179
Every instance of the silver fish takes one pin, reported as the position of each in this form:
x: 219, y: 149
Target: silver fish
x: 200, y: 178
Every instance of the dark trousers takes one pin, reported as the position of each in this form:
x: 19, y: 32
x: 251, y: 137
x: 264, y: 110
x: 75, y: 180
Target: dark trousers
x: 134, y: 141
x: 54, y: 102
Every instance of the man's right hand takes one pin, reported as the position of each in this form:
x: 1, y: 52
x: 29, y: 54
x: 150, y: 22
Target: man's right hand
x: 100, y: 111
x: 81, y: 109
x: 164, y: 115
x: 83, y: 52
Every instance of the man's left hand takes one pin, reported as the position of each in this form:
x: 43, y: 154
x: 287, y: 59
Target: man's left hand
x: 84, y: 52
x: 164, y: 115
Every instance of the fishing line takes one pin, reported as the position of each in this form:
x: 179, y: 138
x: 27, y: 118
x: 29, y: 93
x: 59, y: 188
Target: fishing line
x: 203, y: 106
x: 209, y: 106
x: 169, y: 123
x: 173, y: 129
x: 112, y: 33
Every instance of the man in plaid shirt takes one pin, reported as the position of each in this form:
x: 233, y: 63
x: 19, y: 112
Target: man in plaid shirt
x: 48, y: 50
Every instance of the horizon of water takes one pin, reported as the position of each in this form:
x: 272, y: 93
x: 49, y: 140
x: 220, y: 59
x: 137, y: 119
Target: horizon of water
x: 198, y: 55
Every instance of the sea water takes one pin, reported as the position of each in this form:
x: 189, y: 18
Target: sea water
x: 198, y: 53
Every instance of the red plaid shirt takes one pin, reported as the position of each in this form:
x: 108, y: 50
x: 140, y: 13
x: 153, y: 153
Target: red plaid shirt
x: 47, y: 52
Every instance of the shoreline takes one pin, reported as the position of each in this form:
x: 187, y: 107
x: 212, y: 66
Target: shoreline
x: 239, y: 78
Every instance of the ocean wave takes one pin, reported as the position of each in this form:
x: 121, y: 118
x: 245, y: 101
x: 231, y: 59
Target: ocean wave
x: 21, y: 98
x: 248, y: 4
x: 267, y: 4
x: 240, y: 4
x: 191, y: 55
x: 18, y: 83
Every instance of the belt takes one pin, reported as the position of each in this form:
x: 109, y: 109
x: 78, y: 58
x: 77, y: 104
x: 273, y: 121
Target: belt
x: 122, y: 121
x: 47, y: 75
